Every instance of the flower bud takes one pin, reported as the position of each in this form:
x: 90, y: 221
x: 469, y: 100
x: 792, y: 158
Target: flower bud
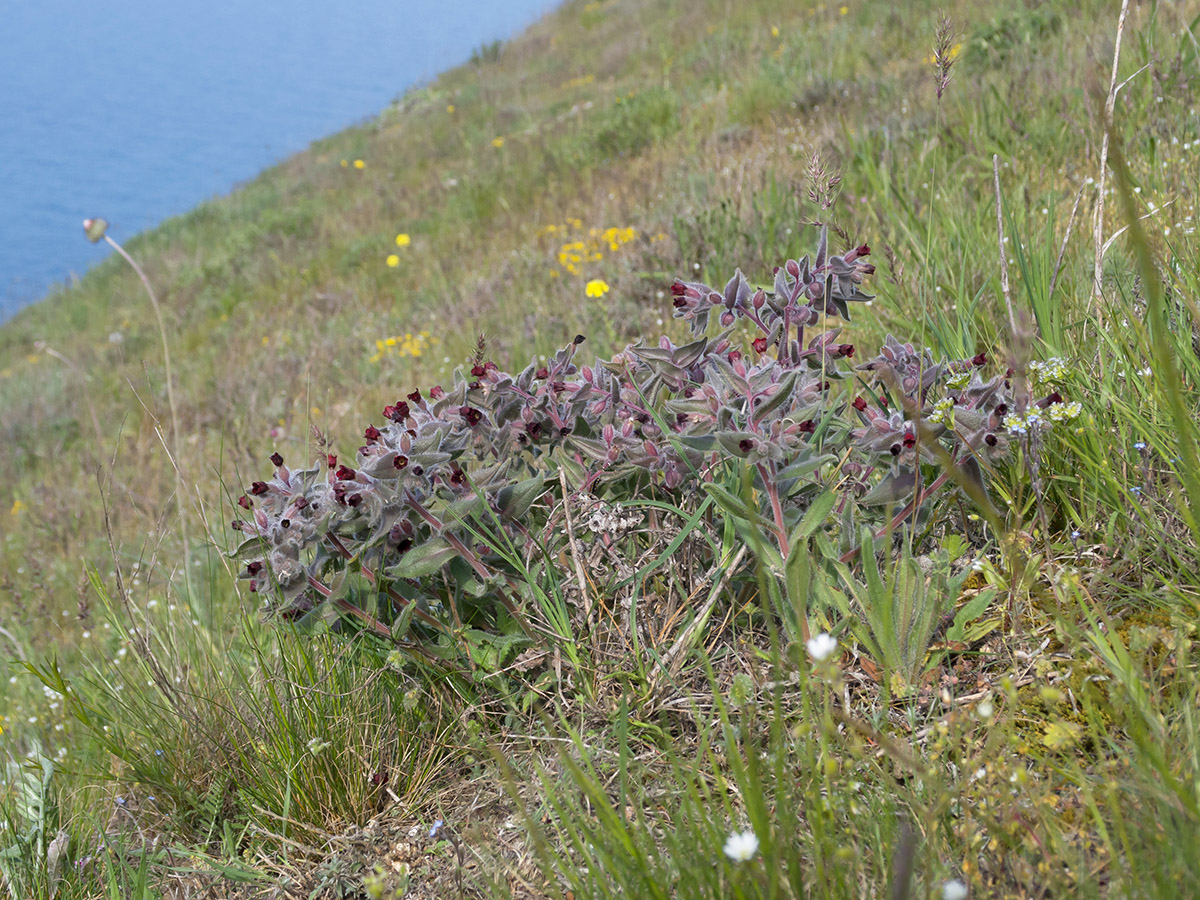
x: 276, y: 460
x: 258, y: 488
x: 760, y: 345
x: 860, y: 404
x: 94, y: 229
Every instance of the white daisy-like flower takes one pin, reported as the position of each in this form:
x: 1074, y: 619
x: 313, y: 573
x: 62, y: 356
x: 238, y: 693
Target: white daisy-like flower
x: 820, y: 646
x: 741, y: 846
x: 954, y: 890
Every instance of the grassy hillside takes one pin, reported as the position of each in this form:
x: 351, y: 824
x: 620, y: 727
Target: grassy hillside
x: 1040, y: 743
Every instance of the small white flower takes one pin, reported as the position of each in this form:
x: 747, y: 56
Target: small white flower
x: 741, y: 845
x: 316, y: 746
x: 954, y: 890
x: 985, y: 709
x: 820, y: 646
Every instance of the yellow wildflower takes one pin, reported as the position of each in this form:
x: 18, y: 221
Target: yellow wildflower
x: 843, y: 10
x: 596, y: 288
x: 450, y: 108
x: 774, y: 31
x: 17, y: 508
x: 359, y: 164
x: 497, y: 142
x: 393, y: 260
x: 403, y: 240
x: 345, y: 163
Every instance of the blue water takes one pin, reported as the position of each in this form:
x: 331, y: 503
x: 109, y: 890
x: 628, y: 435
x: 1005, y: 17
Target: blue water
x: 137, y: 110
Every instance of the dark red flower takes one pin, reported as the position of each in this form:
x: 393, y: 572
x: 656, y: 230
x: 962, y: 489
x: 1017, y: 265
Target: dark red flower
x: 300, y: 502
x: 808, y: 426
x: 543, y: 372
x: 331, y: 460
x: 860, y: 404
x: 760, y: 345
x: 991, y: 440
x: 472, y: 415
x: 735, y: 355
x: 245, y: 502
x: 478, y: 371
x: 678, y: 288
x: 345, y: 473
x: 415, y: 396
x: 458, y: 476
x: 254, y: 568
x: 372, y: 434
x: 845, y: 349
x: 534, y: 430
x: 979, y: 359
x: 437, y: 392
x: 579, y: 339
x: 354, y: 499
x: 910, y: 440
x: 276, y: 460
x: 400, y: 462
x: 258, y: 488
x: 679, y: 302
x: 745, y: 445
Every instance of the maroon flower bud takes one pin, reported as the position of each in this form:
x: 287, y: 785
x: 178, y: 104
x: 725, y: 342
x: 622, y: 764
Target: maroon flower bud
x: 1054, y: 397
x: 543, y: 372
x: 300, y: 502
x: 991, y: 440
x: 458, y: 476
x: 910, y: 440
x: 437, y: 392
x: 418, y: 470
x: 472, y: 415
x: 474, y: 386
x: 478, y: 371
x: 727, y: 319
x: 735, y: 355
x: 679, y: 302
x: 895, y: 449
x: 397, y: 413
x: 237, y: 524
x: 860, y: 404
x: 354, y: 500
x: 980, y: 359
x: 372, y: 434
x: 258, y: 488
x: 678, y: 288
x: 826, y: 385
x: 245, y: 502
x: 808, y: 426
x: 331, y: 460
x: 345, y: 473
x: 415, y: 396
x: 760, y: 345
x: 867, y: 269
x: 285, y: 523
x: 254, y: 568
x: 565, y: 430
x: 400, y: 462
x: 276, y: 460
x: 534, y: 430
x: 579, y: 339
x: 845, y: 349
x: 1001, y: 409
x: 253, y: 588
x: 745, y: 445
x: 1008, y: 373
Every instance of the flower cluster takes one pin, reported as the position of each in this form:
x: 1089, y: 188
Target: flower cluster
x: 580, y: 249
x: 444, y: 465
x: 400, y: 345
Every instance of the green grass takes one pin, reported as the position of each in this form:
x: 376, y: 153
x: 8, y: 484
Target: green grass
x: 1026, y: 725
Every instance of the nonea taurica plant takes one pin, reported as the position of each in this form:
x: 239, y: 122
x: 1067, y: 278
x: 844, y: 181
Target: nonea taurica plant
x: 407, y: 536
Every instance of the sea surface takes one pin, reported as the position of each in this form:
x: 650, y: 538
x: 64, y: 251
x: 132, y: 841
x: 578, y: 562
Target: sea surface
x: 138, y: 110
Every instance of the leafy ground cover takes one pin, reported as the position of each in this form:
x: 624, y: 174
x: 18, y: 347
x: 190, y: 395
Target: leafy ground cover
x: 771, y: 603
